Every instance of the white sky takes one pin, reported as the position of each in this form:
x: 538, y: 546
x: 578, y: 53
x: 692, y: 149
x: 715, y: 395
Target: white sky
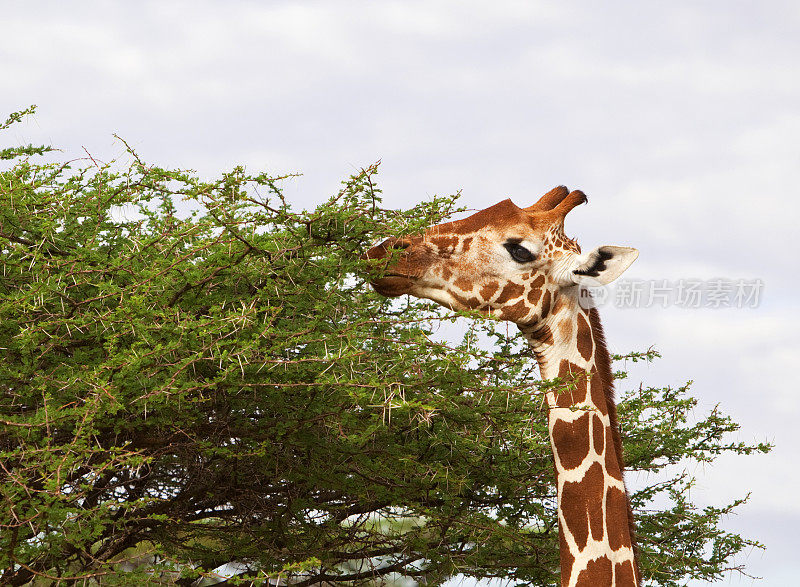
x: 680, y: 120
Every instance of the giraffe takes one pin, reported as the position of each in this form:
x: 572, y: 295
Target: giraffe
x: 516, y: 264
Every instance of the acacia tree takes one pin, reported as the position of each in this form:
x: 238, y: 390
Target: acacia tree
x: 195, y: 374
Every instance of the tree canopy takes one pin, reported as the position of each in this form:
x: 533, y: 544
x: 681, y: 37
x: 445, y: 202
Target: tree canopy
x: 196, y: 374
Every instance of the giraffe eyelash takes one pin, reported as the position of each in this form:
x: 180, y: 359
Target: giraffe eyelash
x: 519, y: 253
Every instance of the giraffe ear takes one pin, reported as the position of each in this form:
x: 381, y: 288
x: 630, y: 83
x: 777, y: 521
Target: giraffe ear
x: 604, y: 264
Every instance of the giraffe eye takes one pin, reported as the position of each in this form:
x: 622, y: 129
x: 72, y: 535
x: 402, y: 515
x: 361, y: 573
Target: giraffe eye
x: 519, y: 253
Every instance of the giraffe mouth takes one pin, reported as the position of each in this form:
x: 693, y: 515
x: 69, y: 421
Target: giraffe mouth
x: 392, y: 285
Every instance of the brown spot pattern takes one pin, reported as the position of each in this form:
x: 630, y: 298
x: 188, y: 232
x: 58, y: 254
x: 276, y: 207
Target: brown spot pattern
x: 582, y: 506
x: 596, y: 574
x: 567, y: 559
x: 617, y: 518
x: 571, y: 441
x: 534, y: 295
x: 598, y: 393
x: 571, y: 245
x: 612, y: 466
x: 510, y: 291
x: 624, y: 575
x: 546, y: 303
x: 584, y: 338
x: 573, y: 397
x: 573, y: 376
x: 598, y: 434
x: 517, y: 312
x: 558, y: 302
x: 488, y: 290
x: 565, y: 329
x: 538, y: 282
x: 463, y: 284
x: 445, y: 243
x: 466, y: 244
x: 470, y: 302
x: 567, y: 368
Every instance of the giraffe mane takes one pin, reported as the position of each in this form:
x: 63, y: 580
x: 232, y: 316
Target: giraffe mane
x: 603, y: 364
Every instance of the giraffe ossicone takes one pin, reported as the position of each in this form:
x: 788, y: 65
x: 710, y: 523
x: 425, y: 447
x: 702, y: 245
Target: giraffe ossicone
x: 516, y: 264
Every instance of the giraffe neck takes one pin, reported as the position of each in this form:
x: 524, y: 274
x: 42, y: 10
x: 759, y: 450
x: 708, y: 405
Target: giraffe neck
x: 594, y: 514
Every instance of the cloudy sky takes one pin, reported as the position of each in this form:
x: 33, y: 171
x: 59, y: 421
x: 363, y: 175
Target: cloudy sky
x: 680, y: 120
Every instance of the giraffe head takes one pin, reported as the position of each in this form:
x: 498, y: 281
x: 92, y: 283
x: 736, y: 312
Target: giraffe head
x: 508, y: 261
